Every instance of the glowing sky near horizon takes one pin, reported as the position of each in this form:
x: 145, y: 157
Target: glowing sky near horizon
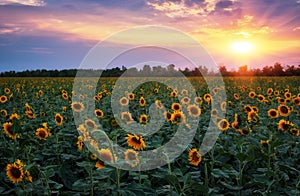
x: 41, y: 34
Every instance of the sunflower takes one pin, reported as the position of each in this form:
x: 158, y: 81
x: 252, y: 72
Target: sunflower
x: 184, y: 92
x: 93, y: 156
x: 194, y: 111
x: 99, y: 164
x: 143, y: 119
x: 288, y: 95
x: 96, y: 98
x: 185, y: 100
x: 77, y: 106
x: 284, y: 110
x: 142, y: 102
x: 194, y: 157
x: 3, y: 99
x: 247, y: 108
x: 126, y: 116
x: 281, y: 101
x: 42, y: 133
x: 113, y: 123
x: 294, y: 131
x: 198, y: 100
x: 106, y: 155
x: 30, y: 114
x: 223, y: 106
x: 178, y: 117
x: 65, y: 96
x: 131, y: 157
x: 14, y: 116
x: 14, y: 172
x: 276, y: 93
x: 236, y: 122
x: 252, y: 94
x: 155, y: 90
x: 207, y: 97
x: 168, y: 116
x: 236, y: 96
x: 79, y: 143
x: 8, y: 130
x: 58, y: 119
x: 90, y: 124
x: 264, y: 143
x: 28, y: 177
x: 27, y: 107
x: 137, y: 142
x: 223, y: 124
x: 272, y: 113
x: 269, y: 91
x: 99, y: 113
x: 296, y: 101
x: 214, y: 113
x: 173, y: 94
x: 6, y: 90
x: 3, y: 113
x: 252, y: 116
x: 124, y: 101
x: 158, y: 104
x: 176, y: 107
x: 260, y: 98
x: 284, y: 125
x: 243, y: 131
x: 255, y: 109
x: 131, y: 96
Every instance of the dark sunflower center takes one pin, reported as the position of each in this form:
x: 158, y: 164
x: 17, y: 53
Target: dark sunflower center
x: 90, y: 124
x: 136, y: 140
x: 273, y: 113
x: 131, y: 156
x: 284, y: 109
x: 195, y: 156
x: 58, y: 119
x: 16, y: 172
x: 176, y: 107
x: 224, y: 124
x: 194, y: 110
x: 169, y: 116
x: 8, y: 129
x: 248, y: 109
x: 285, y: 126
x: 127, y: 117
x: 142, y: 101
x: 77, y: 106
x: 42, y: 134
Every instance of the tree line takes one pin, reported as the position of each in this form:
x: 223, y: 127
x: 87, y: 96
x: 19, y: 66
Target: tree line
x: 276, y: 70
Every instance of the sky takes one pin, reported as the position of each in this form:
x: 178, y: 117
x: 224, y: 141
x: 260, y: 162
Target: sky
x: 54, y: 34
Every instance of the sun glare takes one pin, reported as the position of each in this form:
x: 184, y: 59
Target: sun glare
x: 242, y: 47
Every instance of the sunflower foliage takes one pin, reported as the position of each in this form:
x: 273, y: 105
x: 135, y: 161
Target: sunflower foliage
x: 43, y: 152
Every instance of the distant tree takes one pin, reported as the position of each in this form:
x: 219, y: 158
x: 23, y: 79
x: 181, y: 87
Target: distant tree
x: 278, y: 69
x: 223, y: 70
x: 243, y: 70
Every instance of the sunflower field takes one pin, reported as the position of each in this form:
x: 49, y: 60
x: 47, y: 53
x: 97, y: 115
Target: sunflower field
x: 44, y: 152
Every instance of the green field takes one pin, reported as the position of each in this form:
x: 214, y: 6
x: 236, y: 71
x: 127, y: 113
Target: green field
x: 44, y: 152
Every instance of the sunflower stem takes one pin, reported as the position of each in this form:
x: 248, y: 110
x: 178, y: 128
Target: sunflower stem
x: 206, y: 174
x: 92, y: 181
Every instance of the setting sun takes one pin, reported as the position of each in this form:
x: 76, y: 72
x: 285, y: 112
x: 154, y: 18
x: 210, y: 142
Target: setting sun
x: 242, y: 47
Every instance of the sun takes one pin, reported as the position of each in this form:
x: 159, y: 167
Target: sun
x: 242, y: 47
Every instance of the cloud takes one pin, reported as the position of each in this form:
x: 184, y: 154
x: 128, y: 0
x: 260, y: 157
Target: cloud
x: 23, y: 2
x: 177, y: 9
